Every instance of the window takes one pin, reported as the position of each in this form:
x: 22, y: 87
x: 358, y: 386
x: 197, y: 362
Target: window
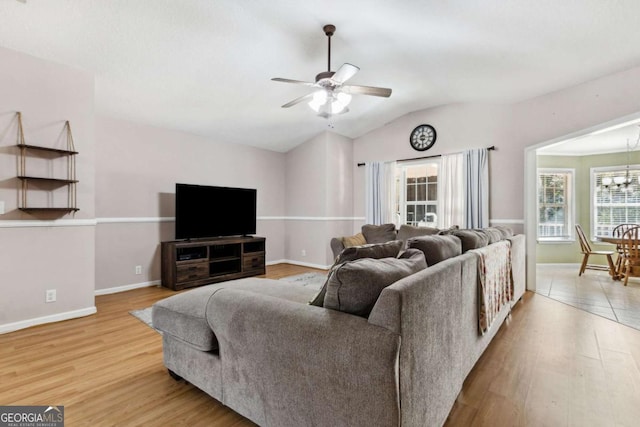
x: 555, y: 204
x: 614, y: 204
x: 417, y: 194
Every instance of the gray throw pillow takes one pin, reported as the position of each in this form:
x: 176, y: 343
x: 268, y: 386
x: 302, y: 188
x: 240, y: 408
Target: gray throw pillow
x: 436, y: 248
x: 376, y: 251
x: 379, y: 233
x: 493, y: 234
x: 408, y: 231
x: 354, y: 287
x: 505, y: 231
x: 471, y: 239
x: 449, y: 230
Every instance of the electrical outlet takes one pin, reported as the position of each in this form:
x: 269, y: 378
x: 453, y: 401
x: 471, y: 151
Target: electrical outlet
x: 138, y: 269
x: 304, y: 252
x: 50, y: 295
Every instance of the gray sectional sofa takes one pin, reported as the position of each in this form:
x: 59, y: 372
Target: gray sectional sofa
x: 260, y: 348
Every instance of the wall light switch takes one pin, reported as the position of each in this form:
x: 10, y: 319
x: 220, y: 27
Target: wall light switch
x: 1, y: 207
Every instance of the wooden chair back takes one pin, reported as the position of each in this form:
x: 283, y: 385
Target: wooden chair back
x: 631, y: 245
x: 584, y: 242
x: 619, y: 231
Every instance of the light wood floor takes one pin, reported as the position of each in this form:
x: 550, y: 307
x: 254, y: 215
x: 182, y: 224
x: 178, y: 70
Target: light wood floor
x: 550, y: 365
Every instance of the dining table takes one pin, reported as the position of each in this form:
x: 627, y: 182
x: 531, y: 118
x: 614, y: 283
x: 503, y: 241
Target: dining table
x: 618, y: 241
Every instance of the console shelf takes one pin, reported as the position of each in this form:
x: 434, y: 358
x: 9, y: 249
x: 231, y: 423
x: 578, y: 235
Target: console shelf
x: 190, y: 263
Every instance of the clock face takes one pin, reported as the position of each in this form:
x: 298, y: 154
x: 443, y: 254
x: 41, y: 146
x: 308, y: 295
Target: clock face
x: 423, y: 137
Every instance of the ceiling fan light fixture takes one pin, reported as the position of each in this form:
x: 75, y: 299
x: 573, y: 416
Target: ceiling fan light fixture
x: 329, y: 104
x: 334, y: 96
x: 319, y: 99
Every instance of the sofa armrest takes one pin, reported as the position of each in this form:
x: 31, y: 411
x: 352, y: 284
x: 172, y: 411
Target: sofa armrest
x: 291, y: 364
x: 336, y: 246
x: 518, y: 266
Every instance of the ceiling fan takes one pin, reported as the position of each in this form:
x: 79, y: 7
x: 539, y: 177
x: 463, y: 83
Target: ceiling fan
x: 332, y: 95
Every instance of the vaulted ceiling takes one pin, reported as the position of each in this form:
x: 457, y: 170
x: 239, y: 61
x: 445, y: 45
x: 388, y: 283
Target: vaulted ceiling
x: 205, y: 66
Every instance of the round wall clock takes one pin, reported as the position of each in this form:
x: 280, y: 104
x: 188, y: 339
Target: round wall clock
x: 423, y: 137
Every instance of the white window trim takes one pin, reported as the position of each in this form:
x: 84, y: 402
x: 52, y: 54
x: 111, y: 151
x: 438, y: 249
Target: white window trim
x: 403, y: 188
x: 592, y: 194
x: 572, y: 206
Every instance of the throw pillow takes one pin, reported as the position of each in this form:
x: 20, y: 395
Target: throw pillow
x: 408, y: 231
x: 357, y: 240
x: 376, y: 251
x: 379, y: 233
x: 506, y: 231
x: 493, y: 234
x: 471, y: 239
x: 354, y: 287
x: 436, y: 248
x: 449, y: 230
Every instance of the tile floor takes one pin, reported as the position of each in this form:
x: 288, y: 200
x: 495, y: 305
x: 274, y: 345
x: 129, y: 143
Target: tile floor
x: 594, y: 292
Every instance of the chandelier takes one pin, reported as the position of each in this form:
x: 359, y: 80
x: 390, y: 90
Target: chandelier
x: 623, y: 183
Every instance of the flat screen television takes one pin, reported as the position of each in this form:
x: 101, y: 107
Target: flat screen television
x: 207, y: 211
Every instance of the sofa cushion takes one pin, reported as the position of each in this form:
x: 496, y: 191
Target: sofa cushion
x: 471, y: 239
x: 376, y: 251
x: 379, y: 233
x: 506, y: 232
x: 356, y: 240
x: 436, y: 248
x: 182, y: 316
x: 449, y: 230
x: 354, y: 287
x: 493, y: 234
x: 408, y: 231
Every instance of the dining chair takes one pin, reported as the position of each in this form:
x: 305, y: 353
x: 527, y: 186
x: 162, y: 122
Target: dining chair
x: 586, y: 250
x: 618, y: 232
x: 630, y: 253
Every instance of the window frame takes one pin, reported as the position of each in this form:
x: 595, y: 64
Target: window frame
x: 402, y: 189
x: 593, y: 196
x: 570, y: 197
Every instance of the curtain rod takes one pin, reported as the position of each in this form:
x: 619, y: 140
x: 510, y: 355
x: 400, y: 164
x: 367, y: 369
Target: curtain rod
x: 493, y: 147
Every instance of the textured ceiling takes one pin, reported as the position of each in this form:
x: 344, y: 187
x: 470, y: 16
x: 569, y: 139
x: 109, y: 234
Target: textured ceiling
x: 204, y: 66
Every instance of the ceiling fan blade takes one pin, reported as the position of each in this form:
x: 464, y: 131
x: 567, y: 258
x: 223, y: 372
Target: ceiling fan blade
x: 303, y: 98
x: 344, y: 73
x: 299, y: 82
x: 366, y: 90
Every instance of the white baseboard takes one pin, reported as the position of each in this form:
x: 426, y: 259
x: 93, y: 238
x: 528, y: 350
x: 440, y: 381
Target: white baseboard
x: 10, y: 327
x: 117, y: 289
x: 300, y: 263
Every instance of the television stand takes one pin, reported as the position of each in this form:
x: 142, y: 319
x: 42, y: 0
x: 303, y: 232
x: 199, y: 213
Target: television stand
x: 191, y: 263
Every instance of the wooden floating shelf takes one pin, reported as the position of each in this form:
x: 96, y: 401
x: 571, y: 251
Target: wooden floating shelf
x: 57, y: 180
x: 49, y: 209
x: 51, y: 150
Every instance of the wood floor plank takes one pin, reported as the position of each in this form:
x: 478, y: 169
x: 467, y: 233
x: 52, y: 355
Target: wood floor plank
x: 550, y: 364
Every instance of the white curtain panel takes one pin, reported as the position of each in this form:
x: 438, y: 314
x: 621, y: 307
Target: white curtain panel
x: 380, y: 192
x: 452, y: 191
x: 477, y: 188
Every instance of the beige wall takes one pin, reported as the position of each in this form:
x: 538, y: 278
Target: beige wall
x: 319, y: 185
x: 459, y: 127
x: 37, y: 255
x: 305, y: 197
x: 137, y: 168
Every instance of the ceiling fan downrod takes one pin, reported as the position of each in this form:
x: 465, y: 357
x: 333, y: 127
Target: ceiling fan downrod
x: 329, y: 30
